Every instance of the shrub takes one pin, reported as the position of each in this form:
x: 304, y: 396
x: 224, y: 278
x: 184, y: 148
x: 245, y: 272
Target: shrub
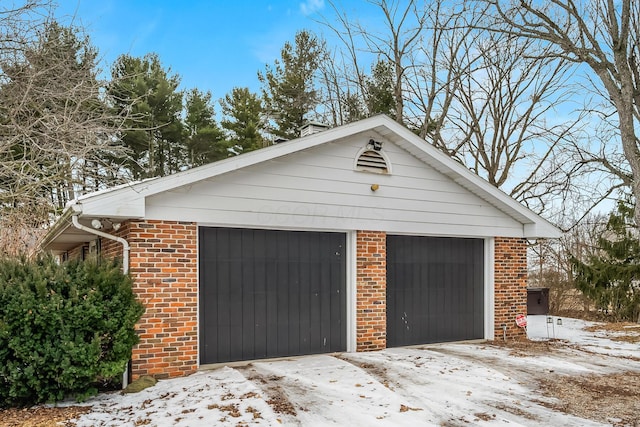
x: 63, y: 328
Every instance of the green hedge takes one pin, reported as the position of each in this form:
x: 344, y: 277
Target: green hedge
x: 64, y: 329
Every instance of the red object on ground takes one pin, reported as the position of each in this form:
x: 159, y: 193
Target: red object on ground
x: 521, y: 320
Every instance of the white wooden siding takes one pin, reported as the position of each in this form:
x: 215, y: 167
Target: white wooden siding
x: 318, y: 189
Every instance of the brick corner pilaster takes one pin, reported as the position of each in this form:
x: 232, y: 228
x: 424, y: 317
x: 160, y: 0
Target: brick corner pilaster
x: 371, y: 284
x: 510, y: 286
x: 164, y: 267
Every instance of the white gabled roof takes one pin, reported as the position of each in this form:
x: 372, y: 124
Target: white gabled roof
x: 128, y: 201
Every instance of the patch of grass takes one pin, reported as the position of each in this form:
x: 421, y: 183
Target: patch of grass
x: 41, y: 416
x: 614, y: 327
x: 596, y: 397
x: 618, y: 331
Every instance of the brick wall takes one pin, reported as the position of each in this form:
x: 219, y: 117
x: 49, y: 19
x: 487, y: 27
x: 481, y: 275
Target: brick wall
x: 510, y: 278
x: 76, y: 253
x: 111, y: 249
x: 371, y: 285
x: 163, y: 264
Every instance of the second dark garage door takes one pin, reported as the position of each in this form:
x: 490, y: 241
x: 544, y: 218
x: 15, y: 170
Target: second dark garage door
x: 435, y: 289
x: 270, y: 293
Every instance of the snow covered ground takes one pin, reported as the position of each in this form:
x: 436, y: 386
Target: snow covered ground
x: 443, y: 384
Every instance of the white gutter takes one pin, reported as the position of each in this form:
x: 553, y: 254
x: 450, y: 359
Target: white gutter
x: 77, y: 210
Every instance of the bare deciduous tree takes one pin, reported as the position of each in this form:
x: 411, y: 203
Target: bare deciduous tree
x: 502, y: 119
x: 56, y: 126
x: 550, y: 265
x: 395, y: 44
x: 477, y: 95
x: 443, y: 58
x: 604, y: 36
x: 18, y: 21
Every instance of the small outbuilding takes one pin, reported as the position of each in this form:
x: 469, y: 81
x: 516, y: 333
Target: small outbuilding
x: 356, y: 238
x: 538, y: 301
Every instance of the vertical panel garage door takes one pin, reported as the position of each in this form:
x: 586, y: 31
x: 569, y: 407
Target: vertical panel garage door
x: 269, y: 293
x: 435, y: 289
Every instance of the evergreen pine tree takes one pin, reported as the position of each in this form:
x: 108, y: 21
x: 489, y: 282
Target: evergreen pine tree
x: 243, y: 119
x: 379, y: 89
x: 148, y: 95
x: 289, y: 91
x: 611, y: 278
x: 205, y: 140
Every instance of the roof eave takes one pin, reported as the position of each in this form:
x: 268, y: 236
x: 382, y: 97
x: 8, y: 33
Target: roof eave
x: 542, y: 230
x: 61, y: 225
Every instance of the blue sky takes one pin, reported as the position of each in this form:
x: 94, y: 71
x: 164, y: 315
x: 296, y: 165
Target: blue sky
x: 213, y: 45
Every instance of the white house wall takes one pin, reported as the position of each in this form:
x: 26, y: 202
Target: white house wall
x: 319, y: 189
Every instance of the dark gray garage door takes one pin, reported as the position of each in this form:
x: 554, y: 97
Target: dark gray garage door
x: 434, y: 289
x: 269, y: 293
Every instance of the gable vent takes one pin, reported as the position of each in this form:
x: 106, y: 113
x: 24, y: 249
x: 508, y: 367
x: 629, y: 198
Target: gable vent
x: 372, y: 161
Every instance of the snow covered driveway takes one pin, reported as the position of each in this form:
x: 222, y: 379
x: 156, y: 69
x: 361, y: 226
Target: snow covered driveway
x: 445, y: 384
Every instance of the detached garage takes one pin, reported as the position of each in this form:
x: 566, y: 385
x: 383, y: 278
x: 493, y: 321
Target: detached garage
x: 357, y: 238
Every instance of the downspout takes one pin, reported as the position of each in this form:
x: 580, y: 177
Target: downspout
x: 125, y: 245
x: 77, y: 210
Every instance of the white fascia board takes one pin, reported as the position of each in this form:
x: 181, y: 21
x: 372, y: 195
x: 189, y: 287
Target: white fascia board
x: 542, y: 230
x: 58, y: 228
x: 126, y: 203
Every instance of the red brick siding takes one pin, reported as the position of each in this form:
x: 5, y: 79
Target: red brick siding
x: 75, y: 253
x: 371, y: 290
x: 112, y: 249
x: 164, y: 267
x: 510, y: 281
